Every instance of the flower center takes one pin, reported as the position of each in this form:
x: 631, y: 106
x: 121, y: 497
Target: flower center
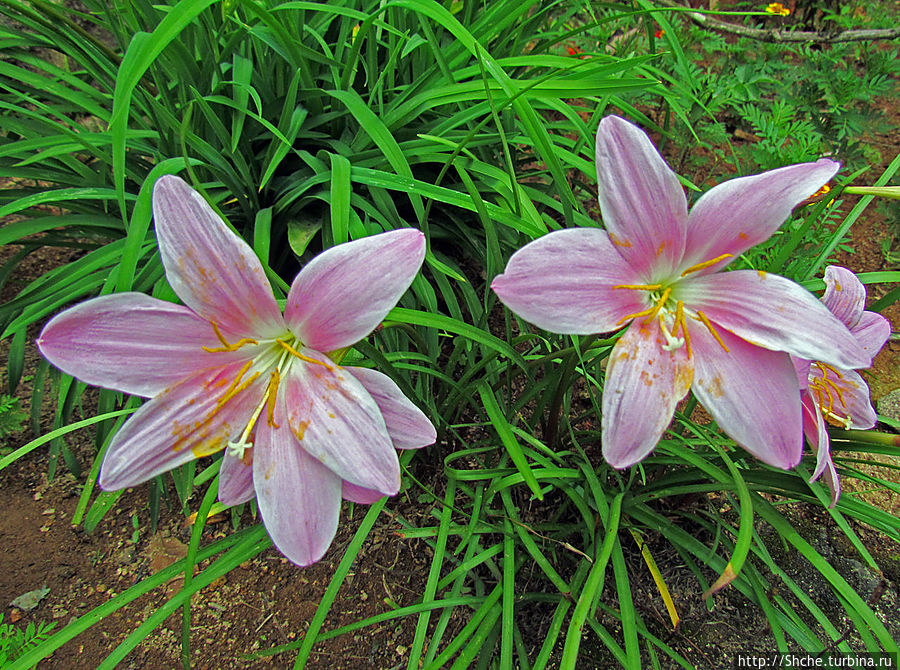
x: 826, y: 390
x: 671, y: 312
x: 275, y: 357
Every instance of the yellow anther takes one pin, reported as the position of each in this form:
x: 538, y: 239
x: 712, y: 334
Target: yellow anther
x: 271, y: 393
x: 823, y: 389
x: 705, y: 264
x: 226, y: 346
x: 640, y: 287
x: 711, y: 329
x: 645, y: 312
x: 235, y: 388
x: 650, y: 312
x: 301, y: 356
x: 680, y: 321
x: 824, y: 366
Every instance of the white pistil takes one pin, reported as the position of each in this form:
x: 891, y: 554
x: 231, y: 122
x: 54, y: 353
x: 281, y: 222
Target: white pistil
x: 672, y: 343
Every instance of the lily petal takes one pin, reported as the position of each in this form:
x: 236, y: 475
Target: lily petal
x: 406, y: 424
x: 236, y: 479
x: 299, y: 498
x: 211, y: 269
x: 342, y: 294
x: 642, y: 202
x: 131, y: 342
x: 814, y: 428
x: 198, y: 417
x: 775, y: 313
x: 844, y: 296
x: 871, y: 331
x: 728, y: 384
x: 849, y: 395
x: 563, y: 282
x: 643, y: 385
x: 338, y: 423
x: 817, y: 436
x: 741, y: 213
x: 359, y: 495
x: 801, y: 367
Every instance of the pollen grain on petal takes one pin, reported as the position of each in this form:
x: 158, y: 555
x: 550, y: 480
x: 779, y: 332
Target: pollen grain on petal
x: 208, y: 447
x: 714, y: 387
x: 619, y: 243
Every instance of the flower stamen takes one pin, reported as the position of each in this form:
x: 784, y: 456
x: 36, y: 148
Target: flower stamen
x: 682, y: 323
x: 296, y: 353
x: 238, y: 447
x: 226, y: 346
x: 705, y: 264
x: 236, y: 386
x: 711, y: 329
x: 640, y: 287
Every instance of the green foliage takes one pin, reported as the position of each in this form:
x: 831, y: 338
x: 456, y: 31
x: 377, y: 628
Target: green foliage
x: 12, y: 416
x: 14, y: 642
x: 308, y: 124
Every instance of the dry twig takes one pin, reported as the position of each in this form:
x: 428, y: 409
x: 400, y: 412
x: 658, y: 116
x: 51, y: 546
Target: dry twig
x: 781, y: 36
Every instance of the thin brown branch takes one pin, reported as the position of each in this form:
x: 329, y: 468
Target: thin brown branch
x: 781, y: 36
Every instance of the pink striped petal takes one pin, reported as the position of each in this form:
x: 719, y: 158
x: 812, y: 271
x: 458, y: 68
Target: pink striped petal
x: 801, y: 367
x: 817, y: 436
x: 741, y: 213
x: 563, y: 282
x: 814, y: 429
x: 131, y: 342
x: 641, y: 200
x: 773, y: 312
x: 236, y: 479
x: 359, y: 495
x: 844, y: 296
x: 871, y: 332
x: 407, y: 425
x: 198, y: 417
x: 338, y: 423
x: 299, y: 498
x: 342, y: 294
x: 212, y: 270
x: 643, y: 385
x: 752, y: 393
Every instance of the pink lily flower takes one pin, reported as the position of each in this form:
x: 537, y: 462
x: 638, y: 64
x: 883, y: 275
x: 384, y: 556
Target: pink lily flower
x: 836, y: 395
x: 229, y: 371
x: 726, y: 335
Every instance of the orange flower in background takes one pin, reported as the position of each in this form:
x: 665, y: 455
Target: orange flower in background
x: 659, y: 33
x: 777, y: 9
x: 573, y: 50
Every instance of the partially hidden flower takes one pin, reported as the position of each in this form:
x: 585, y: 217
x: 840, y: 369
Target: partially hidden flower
x: 726, y: 335
x: 229, y: 371
x: 777, y: 9
x: 836, y: 395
